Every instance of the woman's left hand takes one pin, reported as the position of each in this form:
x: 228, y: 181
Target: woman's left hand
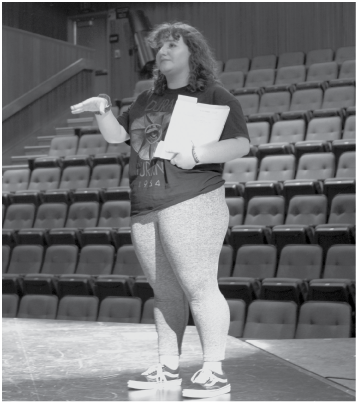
x: 183, y: 157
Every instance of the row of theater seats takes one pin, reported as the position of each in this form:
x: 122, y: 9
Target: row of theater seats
x: 298, y: 274
x: 261, y: 320
x: 266, y: 221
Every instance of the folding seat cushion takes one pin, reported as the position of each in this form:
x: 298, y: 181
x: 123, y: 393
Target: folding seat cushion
x: 60, y: 259
x: 258, y: 132
x: 249, y: 103
x: 6, y: 253
x: 287, y: 78
x: 225, y: 261
x: 238, y: 64
x: 38, y: 307
x: 288, y: 131
x: 271, y: 320
x: 61, y: 146
x: 340, y: 262
x: 272, y: 103
x: 319, y: 74
x: 26, y: 259
x: 303, y: 102
x: 16, y: 179
x: 342, y: 209
x: 321, y: 319
x: 232, y: 80
x: 236, y: 207
x: 346, y: 75
x: 120, y: 310
x: 44, y: 179
x: 147, y: 314
x: 336, y: 100
x: 81, y: 308
x: 10, y: 303
x: 255, y: 80
x: 127, y: 262
x: 290, y: 59
x: 319, y: 56
x: 345, y: 53
x: 346, y: 165
x: 240, y: 170
x: 349, y: 128
x: 19, y: 216
x: 237, y: 317
x: 263, y: 62
x: 96, y: 260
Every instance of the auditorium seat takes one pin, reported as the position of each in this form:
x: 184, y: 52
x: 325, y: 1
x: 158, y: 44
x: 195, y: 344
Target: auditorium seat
x: 312, y: 170
x: 349, y: 128
x: 290, y: 59
x: 258, y: 132
x: 113, y: 285
x: 263, y: 62
x: 340, y: 262
x: 274, y: 170
x: 6, y: 254
x: 319, y: 56
x: 345, y: 53
x: 335, y: 101
x: 61, y: 146
x: 318, y: 75
x: 288, y: 131
x: 236, y: 206
x: 80, y: 215
x: 120, y: 310
x: 127, y: 262
x: 271, y: 105
x: 262, y: 213
x: 17, y: 216
x: 341, y: 146
x: 237, y: 317
x: 10, y: 303
x: 147, y: 314
x: 346, y: 75
x: 232, y: 80
x: 116, y: 153
x: 255, y: 80
x: 320, y: 320
x: 249, y: 103
x: 304, y: 213
x: 141, y: 288
x: 15, y: 179
x: 271, y: 320
x: 297, y: 265
x: 238, y: 64
x: 303, y: 103
x: 81, y: 308
x: 38, y: 307
x: 253, y: 262
x: 225, y: 261
x: 121, y: 192
x: 287, y: 78
x: 236, y: 173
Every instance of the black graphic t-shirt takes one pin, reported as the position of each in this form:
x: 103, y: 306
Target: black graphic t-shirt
x: 156, y: 183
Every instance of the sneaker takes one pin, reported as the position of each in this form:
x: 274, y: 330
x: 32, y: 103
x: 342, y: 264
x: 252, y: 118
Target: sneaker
x: 206, y: 383
x: 156, y: 376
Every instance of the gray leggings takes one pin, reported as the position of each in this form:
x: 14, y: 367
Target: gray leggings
x: 178, y: 248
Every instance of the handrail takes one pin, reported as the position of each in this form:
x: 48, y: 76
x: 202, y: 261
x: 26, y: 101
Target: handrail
x: 46, y: 86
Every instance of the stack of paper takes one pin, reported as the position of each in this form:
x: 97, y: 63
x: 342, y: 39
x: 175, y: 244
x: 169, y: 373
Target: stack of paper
x: 192, y: 122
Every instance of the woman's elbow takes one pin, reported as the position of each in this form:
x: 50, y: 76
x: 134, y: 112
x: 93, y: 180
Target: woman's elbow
x: 244, y: 146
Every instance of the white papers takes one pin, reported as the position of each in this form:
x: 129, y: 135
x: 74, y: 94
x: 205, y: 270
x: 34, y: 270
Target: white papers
x: 192, y: 122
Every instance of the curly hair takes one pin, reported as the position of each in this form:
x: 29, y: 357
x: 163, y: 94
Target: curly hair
x: 202, y: 64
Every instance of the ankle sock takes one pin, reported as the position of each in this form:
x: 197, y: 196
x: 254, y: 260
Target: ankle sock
x: 171, y: 361
x: 215, y: 366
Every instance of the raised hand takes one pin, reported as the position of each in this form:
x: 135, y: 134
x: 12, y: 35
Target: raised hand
x: 95, y: 104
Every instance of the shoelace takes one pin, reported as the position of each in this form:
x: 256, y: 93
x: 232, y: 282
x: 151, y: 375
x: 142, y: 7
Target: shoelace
x: 200, y: 374
x: 160, y: 377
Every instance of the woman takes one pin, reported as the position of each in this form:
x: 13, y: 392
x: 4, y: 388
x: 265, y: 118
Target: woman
x: 178, y: 209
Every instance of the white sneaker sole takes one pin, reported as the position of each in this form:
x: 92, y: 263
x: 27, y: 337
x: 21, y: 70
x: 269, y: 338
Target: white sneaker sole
x: 206, y: 393
x: 153, y: 385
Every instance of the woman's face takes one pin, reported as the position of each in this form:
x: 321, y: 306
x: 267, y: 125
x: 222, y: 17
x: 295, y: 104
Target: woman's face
x: 173, y: 57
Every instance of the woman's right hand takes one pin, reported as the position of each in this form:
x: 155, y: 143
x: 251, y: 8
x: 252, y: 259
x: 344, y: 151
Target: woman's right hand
x: 95, y: 104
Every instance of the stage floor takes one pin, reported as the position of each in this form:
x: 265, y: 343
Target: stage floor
x: 50, y: 360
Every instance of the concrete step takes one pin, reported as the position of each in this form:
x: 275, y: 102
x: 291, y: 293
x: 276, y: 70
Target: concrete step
x: 44, y: 140
x: 35, y: 150
x: 23, y: 159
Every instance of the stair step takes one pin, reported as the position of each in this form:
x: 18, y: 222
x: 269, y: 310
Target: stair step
x: 64, y: 131
x: 35, y: 150
x: 23, y: 159
x: 44, y: 140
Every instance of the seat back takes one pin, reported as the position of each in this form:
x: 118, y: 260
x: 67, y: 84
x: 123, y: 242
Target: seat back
x: 306, y: 100
x: 322, y: 71
x: 75, y: 177
x: 342, y: 209
x: 15, y: 179
x: 340, y: 262
x: 127, y: 262
x: 291, y: 75
x: 256, y: 261
x: 345, y: 53
x: 232, y: 79
x: 82, y: 308
x: 147, y: 314
x: 120, y: 309
x: 45, y: 179
x: 349, y: 129
x: 258, y: 132
x: 38, y: 307
x: 346, y: 165
x: 307, y: 210
x: 316, y: 166
x: 26, y: 259
x: 347, y: 70
x: 265, y: 210
x: 339, y: 97
x: 141, y: 86
x: 277, y: 167
x: 60, y: 259
x: 6, y: 253
x: 290, y: 59
x: 51, y: 215
x: 105, y: 176
x: 237, y: 316
x: 96, y: 260
x: 259, y: 78
x: 19, y: 216
x: 236, y: 207
x: 319, y: 56
x: 326, y: 129
x: 274, y: 102
x: 300, y: 261
x: 321, y: 319
x: 10, y: 303
x: 240, y: 170
x: 91, y: 144
x: 289, y: 131
x: 62, y: 146
x: 115, y: 214
x: 82, y: 215
x: 125, y: 181
x: 238, y: 64
x: 263, y: 62
x: 271, y: 320
x: 249, y: 103
x: 225, y: 261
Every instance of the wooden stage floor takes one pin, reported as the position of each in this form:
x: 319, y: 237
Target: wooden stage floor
x: 51, y: 360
